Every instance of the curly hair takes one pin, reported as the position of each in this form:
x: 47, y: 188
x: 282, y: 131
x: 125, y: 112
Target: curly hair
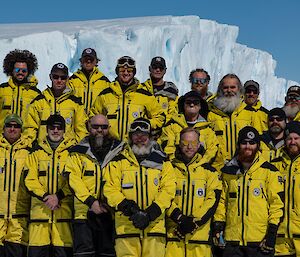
x: 198, y: 70
x: 19, y: 56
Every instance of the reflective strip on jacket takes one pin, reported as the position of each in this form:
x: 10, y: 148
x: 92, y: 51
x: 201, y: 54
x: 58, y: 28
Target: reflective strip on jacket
x: 88, y: 88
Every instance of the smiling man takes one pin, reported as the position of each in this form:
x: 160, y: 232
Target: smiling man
x: 292, y: 103
x: 199, y: 79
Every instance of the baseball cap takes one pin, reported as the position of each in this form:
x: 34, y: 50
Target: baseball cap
x: 294, y: 90
x: 13, y: 117
x: 158, y: 61
x: 60, y: 67
x: 277, y: 112
x: 89, y: 52
x: 248, y: 133
x: 251, y: 83
x: 56, y: 119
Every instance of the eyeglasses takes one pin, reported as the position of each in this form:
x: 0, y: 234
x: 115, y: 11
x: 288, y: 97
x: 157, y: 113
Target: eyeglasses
x: 187, y: 143
x: 126, y: 60
x: 190, y: 102
x: 253, y: 90
x: 22, y: 70
x: 155, y: 67
x: 62, y: 77
x: 293, y: 97
x: 122, y: 69
x: 97, y: 126
x: 9, y: 125
x: 250, y: 142
x: 140, y: 126
x: 53, y: 127
x: 273, y: 118
x: 199, y: 80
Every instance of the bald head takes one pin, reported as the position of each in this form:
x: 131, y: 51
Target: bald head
x: 98, y: 124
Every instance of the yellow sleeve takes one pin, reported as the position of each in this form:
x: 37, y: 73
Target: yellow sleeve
x: 167, y: 141
x: 155, y: 113
x: 220, y: 214
x: 80, y: 123
x: 97, y: 107
x: 32, y: 123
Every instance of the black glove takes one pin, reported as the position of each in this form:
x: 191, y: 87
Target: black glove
x: 268, y: 243
x: 153, y: 211
x: 140, y: 220
x: 128, y: 207
x: 186, y: 225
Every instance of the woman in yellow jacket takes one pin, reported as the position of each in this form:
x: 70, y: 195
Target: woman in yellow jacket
x: 198, y: 192
x: 51, y: 201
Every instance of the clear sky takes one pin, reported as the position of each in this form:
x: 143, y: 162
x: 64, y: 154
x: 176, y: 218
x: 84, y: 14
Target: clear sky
x: 268, y: 25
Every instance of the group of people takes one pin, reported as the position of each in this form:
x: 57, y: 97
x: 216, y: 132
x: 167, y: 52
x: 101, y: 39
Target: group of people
x: 90, y: 167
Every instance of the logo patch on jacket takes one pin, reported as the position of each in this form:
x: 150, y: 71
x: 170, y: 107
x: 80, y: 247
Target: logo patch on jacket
x: 256, y: 191
x: 200, y: 192
x: 135, y: 114
x: 1, y: 170
x: 165, y: 106
x: 155, y: 181
x: 68, y: 120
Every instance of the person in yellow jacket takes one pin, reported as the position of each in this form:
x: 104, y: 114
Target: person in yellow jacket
x: 57, y: 99
x: 292, y: 103
x: 92, y: 224
x: 125, y: 100
x: 288, y: 236
x: 165, y: 92
x: 254, y: 106
x: 140, y: 185
x: 198, y: 191
x: 227, y: 116
x: 251, y: 204
x: 15, y: 201
x: 88, y: 81
x: 199, y: 79
x: 21, y: 88
x: 192, y: 113
x: 272, y: 141
x: 51, y: 200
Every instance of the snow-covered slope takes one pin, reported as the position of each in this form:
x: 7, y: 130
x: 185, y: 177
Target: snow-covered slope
x: 186, y: 43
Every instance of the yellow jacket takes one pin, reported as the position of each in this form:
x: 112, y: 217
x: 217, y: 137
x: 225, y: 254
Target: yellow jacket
x: 166, y: 97
x: 198, y: 192
x: 122, y: 108
x: 44, y: 168
x: 86, y: 175
x: 250, y: 202
x: 67, y: 105
x: 227, y: 127
x: 170, y: 137
x: 267, y: 148
x: 150, y: 182
x: 289, y: 169
x: 16, y: 99
x: 88, y: 88
x: 15, y: 201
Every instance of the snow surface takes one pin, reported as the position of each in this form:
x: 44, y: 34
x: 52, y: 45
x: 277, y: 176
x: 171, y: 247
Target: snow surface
x: 186, y: 42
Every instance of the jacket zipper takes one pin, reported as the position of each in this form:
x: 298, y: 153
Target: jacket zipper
x: 15, y: 174
x: 183, y: 195
x: 243, y: 203
x: 146, y: 181
x: 188, y: 192
x: 9, y: 182
x: 239, y: 194
x: 136, y: 188
x: 96, y: 179
x: 234, y: 142
x: 53, y: 179
x: 293, y: 193
x: 122, y: 124
x: 5, y: 174
x: 18, y: 95
x: 226, y: 133
x: 289, y: 200
x: 247, y: 204
x: 101, y: 183
x: 193, y: 196
x: 142, y: 188
x: 127, y: 113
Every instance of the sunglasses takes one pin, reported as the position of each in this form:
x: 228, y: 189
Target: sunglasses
x: 293, y: 97
x: 22, y: 70
x: 199, y: 80
x: 9, y: 125
x: 62, y: 77
x: 194, y: 102
x: 140, y: 126
x: 276, y: 118
x: 250, y: 142
x: 191, y: 143
x: 53, y: 127
x: 97, y: 126
x: 126, y: 61
x: 122, y: 69
x: 251, y: 90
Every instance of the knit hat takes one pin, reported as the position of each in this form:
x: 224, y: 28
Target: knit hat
x: 277, y: 112
x: 292, y: 127
x: 13, y: 117
x: 248, y: 133
x: 60, y: 67
x: 56, y: 119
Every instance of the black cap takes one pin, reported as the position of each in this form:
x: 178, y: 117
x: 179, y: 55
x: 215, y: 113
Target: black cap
x: 158, y: 61
x: 89, y: 52
x: 60, y: 67
x: 251, y: 83
x: 292, y: 127
x: 277, y: 112
x: 56, y: 119
x: 248, y: 133
x: 204, y: 106
x: 294, y: 90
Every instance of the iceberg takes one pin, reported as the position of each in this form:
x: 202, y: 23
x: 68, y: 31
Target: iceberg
x: 186, y: 42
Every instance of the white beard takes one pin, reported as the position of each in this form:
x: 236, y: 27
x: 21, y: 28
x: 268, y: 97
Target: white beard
x: 143, y: 149
x: 98, y: 141
x: 228, y: 104
x: 291, y: 111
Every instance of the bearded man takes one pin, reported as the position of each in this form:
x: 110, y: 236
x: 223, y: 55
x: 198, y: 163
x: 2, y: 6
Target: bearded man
x: 292, y: 103
x: 226, y: 115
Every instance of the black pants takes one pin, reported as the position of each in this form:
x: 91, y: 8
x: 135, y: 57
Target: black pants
x: 13, y: 250
x: 94, y: 237
x: 49, y: 251
x: 244, y: 251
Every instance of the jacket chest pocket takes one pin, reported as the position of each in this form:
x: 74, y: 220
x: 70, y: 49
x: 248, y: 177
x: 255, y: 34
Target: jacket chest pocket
x: 151, y: 184
x: 68, y: 114
x: 198, y: 193
x: 129, y: 183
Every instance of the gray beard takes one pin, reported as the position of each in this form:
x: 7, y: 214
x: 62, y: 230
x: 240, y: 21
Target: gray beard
x: 97, y: 142
x: 228, y: 104
x: 142, y: 150
x: 276, y: 130
x: 291, y: 111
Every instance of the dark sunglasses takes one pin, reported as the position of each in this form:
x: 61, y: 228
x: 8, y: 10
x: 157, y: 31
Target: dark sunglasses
x: 63, y: 77
x: 53, y: 127
x: 97, y: 126
x: 126, y: 61
x: 9, y: 125
x: 276, y: 118
x: 293, y: 97
x: 22, y: 70
x: 194, y: 102
x: 249, y: 90
x: 250, y: 142
x: 199, y: 80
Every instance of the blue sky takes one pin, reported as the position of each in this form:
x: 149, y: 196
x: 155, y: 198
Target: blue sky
x: 269, y: 25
